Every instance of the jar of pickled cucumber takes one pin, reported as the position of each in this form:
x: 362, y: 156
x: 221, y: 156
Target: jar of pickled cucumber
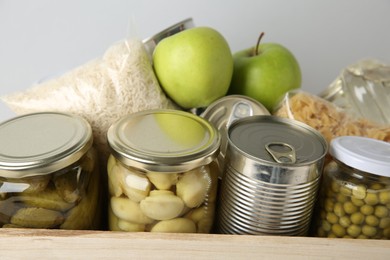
x: 162, y: 172
x: 355, y: 196
x: 48, y: 173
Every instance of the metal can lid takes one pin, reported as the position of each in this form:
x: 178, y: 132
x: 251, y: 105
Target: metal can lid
x: 41, y: 143
x: 164, y: 140
x: 276, y: 140
x: 224, y: 111
x: 151, y: 42
x: 362, y: 153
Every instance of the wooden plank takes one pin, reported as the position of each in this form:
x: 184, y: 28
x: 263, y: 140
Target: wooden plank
x: 63, y: 244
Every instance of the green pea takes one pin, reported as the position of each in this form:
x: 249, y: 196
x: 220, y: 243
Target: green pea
x: 357, y: 218
x: 372, y: 220
x: 376, y: 186
x: 357, y: 202
x: 335, y: 186
x: 326, y: 226
x: 381, y: 211
x: 354, y: 230
x: 371, y: 199
x: 367, y: 209
x: 384, y: 197
x: 344, y: 190
x: 342, y: 198
x: 338, y: 230
x: 361, y: 236
x: 359, y: 192
x: 339, y: 210
x: 369, y: 231
x: 345, y: 221
x: 386, y: 233
x: 384, y: 223
x: 329, y: 205
x: 349, y: 207
x: 332, y: 218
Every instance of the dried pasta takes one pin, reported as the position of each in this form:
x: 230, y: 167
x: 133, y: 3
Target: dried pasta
x: 330, y: 120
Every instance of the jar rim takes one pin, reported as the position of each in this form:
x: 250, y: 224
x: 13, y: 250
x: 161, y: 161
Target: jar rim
x: 41, y: 143
x: 164, y: 140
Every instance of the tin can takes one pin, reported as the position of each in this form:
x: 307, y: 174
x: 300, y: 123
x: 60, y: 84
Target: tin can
x: 224, y: 111
x: 49, y: 176
x: 150, y: 43
x: 271, y: 177
x: 355, y: 193
x: 162, y: 172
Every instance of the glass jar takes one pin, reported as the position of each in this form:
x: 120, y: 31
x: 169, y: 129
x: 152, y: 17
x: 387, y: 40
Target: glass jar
x: 48, y: 173
x: 162, y: 173
x: 355, y: 194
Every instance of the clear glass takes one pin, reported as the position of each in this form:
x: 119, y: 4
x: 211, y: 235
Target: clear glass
x: 353, y: 204
x: 65, y: 199
x: 161, y: 201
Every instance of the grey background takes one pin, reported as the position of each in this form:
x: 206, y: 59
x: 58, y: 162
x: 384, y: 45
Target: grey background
x: 46, y: 37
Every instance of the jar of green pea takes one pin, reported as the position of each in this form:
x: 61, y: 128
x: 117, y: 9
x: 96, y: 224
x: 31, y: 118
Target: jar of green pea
x: 355, y: 194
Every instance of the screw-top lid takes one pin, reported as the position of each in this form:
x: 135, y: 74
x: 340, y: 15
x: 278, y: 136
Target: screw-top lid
x: 164, y: 140
x: 362, y: 153
x: 41, y: 143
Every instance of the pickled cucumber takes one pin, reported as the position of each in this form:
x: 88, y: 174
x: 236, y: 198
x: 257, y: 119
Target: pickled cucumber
x: 48, y: 199
x: 37, y: 218
x: 69, y: 185
x: 85, y: 215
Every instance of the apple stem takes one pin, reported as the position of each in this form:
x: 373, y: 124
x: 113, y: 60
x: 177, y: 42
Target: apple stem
x: 258, y: 43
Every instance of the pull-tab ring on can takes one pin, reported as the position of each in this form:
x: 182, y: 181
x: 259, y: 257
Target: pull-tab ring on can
x: 284, y: 154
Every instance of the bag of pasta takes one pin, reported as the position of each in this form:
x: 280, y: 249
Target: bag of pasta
x: 329, y: 119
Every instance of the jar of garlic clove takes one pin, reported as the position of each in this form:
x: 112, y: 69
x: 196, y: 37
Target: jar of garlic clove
x: 162, y: 172
x: 48, y: 173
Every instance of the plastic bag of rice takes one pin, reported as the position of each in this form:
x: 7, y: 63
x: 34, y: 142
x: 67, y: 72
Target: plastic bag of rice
x: 102, y: 90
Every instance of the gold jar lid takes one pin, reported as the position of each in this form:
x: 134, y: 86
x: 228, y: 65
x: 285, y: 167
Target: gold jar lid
x: 41, y: 143
x: 164, y: 140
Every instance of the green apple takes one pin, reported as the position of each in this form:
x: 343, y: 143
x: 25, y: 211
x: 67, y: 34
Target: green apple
x: 194, y: 66
x: 265, y: 72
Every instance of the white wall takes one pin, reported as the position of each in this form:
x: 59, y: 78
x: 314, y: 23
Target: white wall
x: 44, y: 37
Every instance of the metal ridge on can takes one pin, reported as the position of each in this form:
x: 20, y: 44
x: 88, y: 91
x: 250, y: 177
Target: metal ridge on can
x: 271, y: 176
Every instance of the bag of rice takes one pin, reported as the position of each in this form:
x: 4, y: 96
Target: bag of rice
x: 102, y: 90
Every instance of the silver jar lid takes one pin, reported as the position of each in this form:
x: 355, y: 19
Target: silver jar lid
x: 164, y: 140
x: 41, y: 143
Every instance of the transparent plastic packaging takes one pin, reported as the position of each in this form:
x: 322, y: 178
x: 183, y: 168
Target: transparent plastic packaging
x: 354, y: 199
x: 162, y: 173
x: 363, y: 89
x: 328, y: 118
x: 50, y: 180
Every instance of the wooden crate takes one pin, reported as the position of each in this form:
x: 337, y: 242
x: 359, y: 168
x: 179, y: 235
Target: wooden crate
x: 65, y: 244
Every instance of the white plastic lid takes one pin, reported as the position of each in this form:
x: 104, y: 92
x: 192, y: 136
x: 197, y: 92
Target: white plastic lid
x: 362, y: 153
